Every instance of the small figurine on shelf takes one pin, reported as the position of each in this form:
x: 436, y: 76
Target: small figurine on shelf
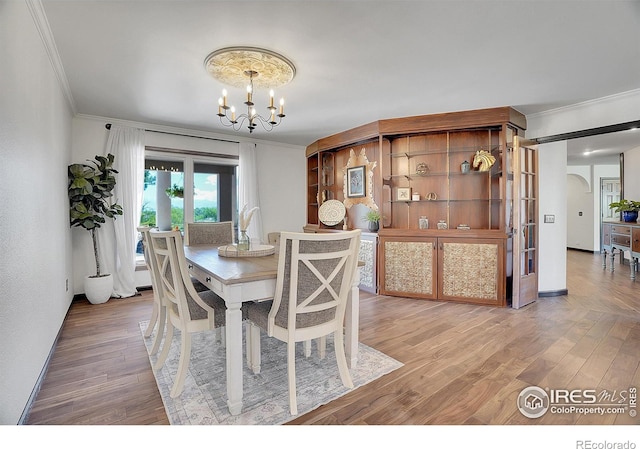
x: 484, y: 160
x: 422, y: 169
x: 464, y: 167
x: 442, y: 224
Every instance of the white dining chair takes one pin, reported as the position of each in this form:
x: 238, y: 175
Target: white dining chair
x: 315, y: 275
x: 158, y: 314
x: 188, y: 311
x: 208, y: 233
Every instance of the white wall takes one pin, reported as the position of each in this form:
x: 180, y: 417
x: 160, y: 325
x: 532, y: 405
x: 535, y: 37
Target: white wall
x: 580, y: 212
x: 282, y: 181
x: 552, y: 193
x: 35, y: 240
x: 632, y: 173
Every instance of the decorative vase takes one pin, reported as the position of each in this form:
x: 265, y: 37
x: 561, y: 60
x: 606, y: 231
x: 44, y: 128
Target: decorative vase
x: 464, y: 167
x: 98, y: 289
x: 374, y: 226
x: 244, y: 243
x: 629, y: 215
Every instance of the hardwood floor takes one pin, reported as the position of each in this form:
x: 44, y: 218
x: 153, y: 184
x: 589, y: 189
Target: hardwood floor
x: 463, y: 364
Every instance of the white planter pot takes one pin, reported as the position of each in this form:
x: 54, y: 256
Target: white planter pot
x: 98, y: 289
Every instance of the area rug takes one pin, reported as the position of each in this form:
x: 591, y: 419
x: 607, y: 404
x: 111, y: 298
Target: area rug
x: 266, y: 396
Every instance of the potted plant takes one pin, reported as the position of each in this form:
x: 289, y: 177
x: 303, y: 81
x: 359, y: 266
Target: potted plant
x: 90, y: 191
x: 175, y: 191
x: 629, y: 209
x: 373, y: 218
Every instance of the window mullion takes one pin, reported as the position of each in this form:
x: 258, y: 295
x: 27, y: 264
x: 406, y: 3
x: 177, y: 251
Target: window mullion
x: 188, y: 190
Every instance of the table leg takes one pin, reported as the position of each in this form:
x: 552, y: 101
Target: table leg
x: 604, y: 259
x: 234, y: 358
x: 352, y: 322
x: 613, y: 259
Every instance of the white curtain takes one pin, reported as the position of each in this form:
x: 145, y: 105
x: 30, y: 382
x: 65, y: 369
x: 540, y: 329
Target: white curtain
x: 248, y: 189
x: 118, y: 240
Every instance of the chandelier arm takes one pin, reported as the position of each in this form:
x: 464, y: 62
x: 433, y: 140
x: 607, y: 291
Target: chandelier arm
x: 237, y: 124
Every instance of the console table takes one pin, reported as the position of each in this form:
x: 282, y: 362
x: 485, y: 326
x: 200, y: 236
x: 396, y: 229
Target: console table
x: 621, y: 236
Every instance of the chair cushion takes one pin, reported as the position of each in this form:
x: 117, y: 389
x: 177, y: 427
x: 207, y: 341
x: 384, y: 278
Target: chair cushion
x: 213, y: 301
x: 199, y: 286
x: 257, y: 313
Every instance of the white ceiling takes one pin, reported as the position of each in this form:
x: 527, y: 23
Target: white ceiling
x: 356, y: 61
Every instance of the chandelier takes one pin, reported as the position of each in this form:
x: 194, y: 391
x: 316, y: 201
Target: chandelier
x: 254, y: 68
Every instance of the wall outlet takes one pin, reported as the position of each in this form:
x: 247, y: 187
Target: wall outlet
x: 549, y: 218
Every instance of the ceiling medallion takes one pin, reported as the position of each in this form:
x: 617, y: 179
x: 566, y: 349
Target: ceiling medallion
x: 254, y: 68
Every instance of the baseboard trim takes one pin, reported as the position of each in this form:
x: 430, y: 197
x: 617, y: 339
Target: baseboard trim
x: 43, y: 373
x: 83, y: 297
x: 550, y: 293
x: 590, y: 251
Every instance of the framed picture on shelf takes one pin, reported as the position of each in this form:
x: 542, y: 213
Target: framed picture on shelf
x: 356, y: 182
x: 404, y: 194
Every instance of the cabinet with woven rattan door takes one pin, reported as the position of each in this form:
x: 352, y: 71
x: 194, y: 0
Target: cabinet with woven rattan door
x: 457, y: 193
x: 446, y: 267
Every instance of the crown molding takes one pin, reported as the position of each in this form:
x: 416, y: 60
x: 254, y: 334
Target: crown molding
x: 589, y: 103
x: 42, y: 24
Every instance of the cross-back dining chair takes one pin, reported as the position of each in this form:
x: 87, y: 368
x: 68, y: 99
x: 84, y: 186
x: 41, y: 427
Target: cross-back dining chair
x: 208, y: 233
x: 188, y: 311
x: 158, y: 314
x: 315, y: 275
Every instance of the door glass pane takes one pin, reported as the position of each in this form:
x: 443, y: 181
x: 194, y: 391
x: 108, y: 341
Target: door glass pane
x: 205, y: 196
x: 176, y: 193
x: 162, y: 200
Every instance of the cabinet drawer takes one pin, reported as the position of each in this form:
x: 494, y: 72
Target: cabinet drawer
x: 624, y: 240
x: 635, y: 244
x: 626, y: 230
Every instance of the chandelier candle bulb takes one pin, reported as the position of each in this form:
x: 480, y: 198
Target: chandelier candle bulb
x: 271, y: 93
x: 281, y: 114
x: 224, y: 98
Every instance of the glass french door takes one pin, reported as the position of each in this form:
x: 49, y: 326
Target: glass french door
x: 525, y: 222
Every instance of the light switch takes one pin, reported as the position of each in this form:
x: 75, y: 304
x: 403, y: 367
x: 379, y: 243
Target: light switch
x: 549, y: 218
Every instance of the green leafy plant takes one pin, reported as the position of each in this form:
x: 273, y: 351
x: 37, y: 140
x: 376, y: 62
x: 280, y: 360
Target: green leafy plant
x: 372, y: 216
x: 625, y: 205
x: 175, y: 191
x: 90, y: 191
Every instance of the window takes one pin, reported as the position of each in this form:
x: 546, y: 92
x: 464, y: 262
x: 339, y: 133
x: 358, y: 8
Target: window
x: 167, y: 203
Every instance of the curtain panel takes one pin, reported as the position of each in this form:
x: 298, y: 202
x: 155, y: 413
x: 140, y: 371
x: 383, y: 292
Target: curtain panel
x: 118, y: 239
x: 248, y: 189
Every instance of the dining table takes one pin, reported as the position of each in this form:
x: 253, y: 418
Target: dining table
x: 242, y: 279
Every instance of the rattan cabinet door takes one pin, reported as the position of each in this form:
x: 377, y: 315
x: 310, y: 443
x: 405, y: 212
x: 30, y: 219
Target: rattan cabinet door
x: 408, y: 267
x: 471, y: 270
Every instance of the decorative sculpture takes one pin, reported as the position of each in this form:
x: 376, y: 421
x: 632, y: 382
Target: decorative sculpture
x: 483, y: 159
